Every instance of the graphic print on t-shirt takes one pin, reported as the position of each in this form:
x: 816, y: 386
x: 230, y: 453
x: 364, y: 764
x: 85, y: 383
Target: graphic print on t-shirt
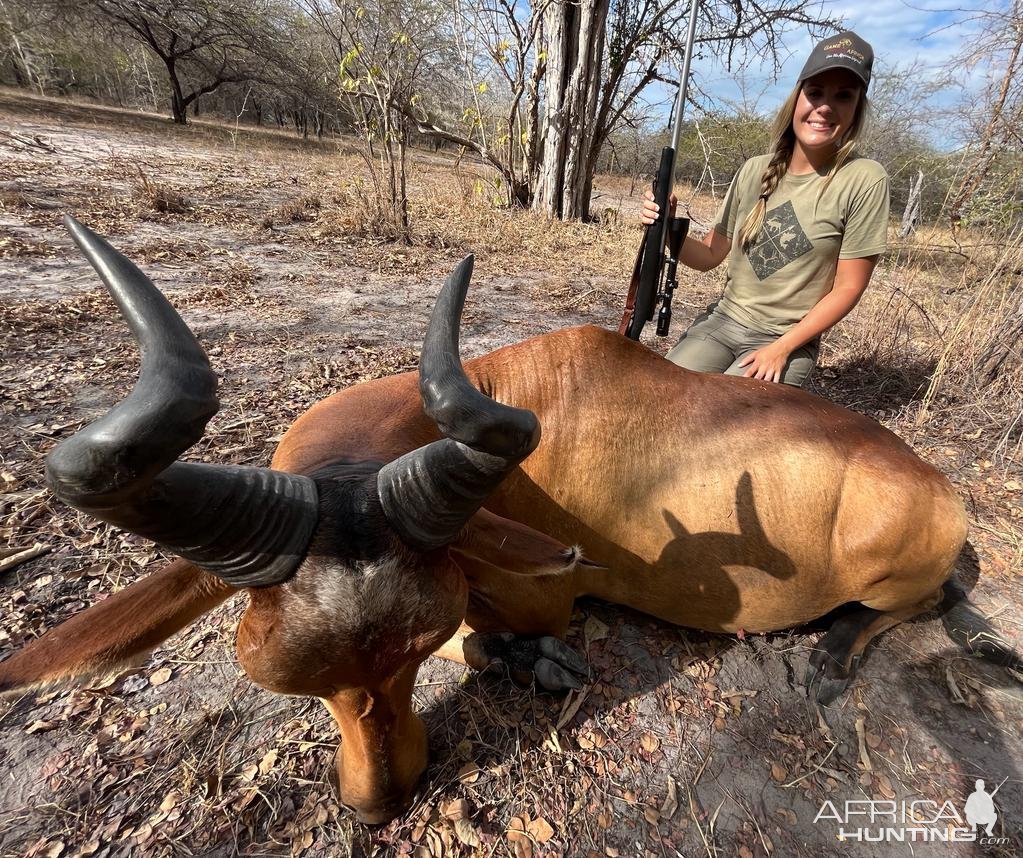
x: 780, y: 242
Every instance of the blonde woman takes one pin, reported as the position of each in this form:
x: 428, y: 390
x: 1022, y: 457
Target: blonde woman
x: 802, y: 228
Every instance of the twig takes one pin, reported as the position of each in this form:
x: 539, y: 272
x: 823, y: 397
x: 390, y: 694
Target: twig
x: 23, y: 556
x: 36, y: 141
x: 817, y: 769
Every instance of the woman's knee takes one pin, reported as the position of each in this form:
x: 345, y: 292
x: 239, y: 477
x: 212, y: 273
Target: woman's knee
x: 800, y: 365
x: 798, y: 369
x: 700, y: 355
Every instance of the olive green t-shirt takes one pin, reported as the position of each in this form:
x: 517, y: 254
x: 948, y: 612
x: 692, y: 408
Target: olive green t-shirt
x: 791, y: 265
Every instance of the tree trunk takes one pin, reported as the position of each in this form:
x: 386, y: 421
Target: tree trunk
x: 153, y: 100
x: 404, y: 223
x: 575, y: 47
x: 179, y: 107
x: 19, y: 75
x: 911, y: 215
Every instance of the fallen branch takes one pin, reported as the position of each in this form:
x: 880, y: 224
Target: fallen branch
x: 35, y: 142
x: 23, y: 556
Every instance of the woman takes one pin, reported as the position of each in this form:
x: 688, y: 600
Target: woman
x: 802, y: 228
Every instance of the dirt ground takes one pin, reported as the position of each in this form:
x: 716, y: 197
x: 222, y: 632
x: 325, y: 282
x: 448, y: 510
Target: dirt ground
x: 684, y: 744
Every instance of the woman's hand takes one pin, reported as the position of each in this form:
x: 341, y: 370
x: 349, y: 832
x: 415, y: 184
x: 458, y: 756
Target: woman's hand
x: 650, y: 208
x: 767, y: 363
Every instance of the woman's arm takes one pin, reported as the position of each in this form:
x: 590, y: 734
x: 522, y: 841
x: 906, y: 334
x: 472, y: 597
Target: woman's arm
x: 851, y: 279
x: 701, y: 255
x: 706, y: 254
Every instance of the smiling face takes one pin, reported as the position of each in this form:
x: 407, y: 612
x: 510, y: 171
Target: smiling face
x: 825, y: 111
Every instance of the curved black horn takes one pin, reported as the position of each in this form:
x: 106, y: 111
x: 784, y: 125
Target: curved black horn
x: 430, y: 493
x: 249, y: 526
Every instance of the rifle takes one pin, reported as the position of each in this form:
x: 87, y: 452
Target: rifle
x: 645, y: 289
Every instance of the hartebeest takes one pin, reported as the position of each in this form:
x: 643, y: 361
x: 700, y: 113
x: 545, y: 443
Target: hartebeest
x: 373, y: 541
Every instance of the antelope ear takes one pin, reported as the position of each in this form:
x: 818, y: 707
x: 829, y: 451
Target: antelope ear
x: 117, y: 632
x: 514, y: 547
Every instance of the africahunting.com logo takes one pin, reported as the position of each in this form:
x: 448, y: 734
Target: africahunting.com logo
x: 917, y: 821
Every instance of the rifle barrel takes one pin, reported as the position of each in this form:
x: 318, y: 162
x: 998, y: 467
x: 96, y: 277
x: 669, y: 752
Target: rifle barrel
x: 683, y: 87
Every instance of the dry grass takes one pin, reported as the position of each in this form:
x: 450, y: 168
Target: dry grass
x: 160, y: 197
x: 302, y: 209
x: 947, y: 315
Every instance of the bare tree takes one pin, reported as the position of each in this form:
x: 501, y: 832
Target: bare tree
x: 561, y: 76
x: 384, y: 50
x: 202, y: 45
x: 998, y: 126
x: 13, y: 21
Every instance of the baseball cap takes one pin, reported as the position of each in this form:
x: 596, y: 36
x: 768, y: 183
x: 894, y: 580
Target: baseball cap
x: 844, y: 51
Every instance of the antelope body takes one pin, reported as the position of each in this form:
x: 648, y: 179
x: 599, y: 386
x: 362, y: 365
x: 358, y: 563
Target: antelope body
x: 378, y: 538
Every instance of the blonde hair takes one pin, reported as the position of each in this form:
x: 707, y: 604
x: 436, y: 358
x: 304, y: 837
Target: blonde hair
x: 783, y: 141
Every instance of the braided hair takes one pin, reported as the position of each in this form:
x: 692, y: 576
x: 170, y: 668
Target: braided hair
x: 783, y: 143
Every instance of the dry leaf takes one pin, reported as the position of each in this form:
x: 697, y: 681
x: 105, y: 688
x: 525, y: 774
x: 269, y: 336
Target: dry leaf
x: 268, y: 762
x: 884, y: 786
x: 40, y: 726
x: 170, y: 801
x: 570, y: 707
x: 594, y: 630
x: 861, y: 740
x: 649, y: 742
x: 469, y: 773
x: 465, y: 832
x: 522, y: 846
x: 670, y: 806
x: 516, y: 830
x: 787, y: 815
x: 159, y: 677
x: 541, y: 829
x: 457, y: 808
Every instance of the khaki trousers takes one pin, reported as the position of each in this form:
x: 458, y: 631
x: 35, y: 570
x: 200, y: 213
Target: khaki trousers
x: 717, y: 343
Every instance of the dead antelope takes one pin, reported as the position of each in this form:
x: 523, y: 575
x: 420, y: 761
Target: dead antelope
x: 392, y: 525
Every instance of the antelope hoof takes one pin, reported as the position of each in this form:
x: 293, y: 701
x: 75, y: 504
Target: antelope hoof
x: 826, y: 678
x: 554, y: 665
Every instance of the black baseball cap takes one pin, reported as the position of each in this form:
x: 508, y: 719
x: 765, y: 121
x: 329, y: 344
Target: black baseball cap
x: 844, y: 51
